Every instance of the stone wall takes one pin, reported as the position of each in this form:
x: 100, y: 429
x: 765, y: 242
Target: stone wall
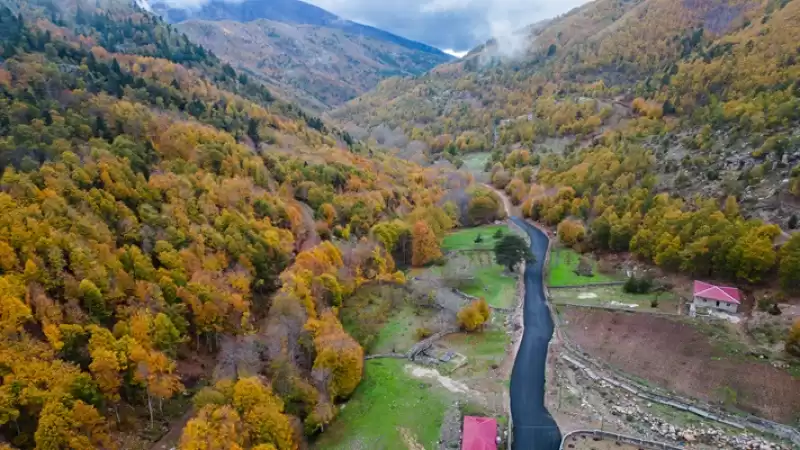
x: 642, y: 444
x: 588, y: 285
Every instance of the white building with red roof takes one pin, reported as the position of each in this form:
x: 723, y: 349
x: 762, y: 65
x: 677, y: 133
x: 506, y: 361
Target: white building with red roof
x: 721, y: 298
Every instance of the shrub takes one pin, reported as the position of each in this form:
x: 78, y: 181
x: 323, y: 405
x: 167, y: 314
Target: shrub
x: 793, y: 340
x: 571, y: 232
x: 498, y: 234
x: 473, y: 316
x: 478, y: 239
x: 636, y: 285
x: 585, y: 267
x: 765, y: 304
x: 422, y: 333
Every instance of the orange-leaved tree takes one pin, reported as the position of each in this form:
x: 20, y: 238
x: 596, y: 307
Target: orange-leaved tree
x: 571, y: 232
x: 425, y: 246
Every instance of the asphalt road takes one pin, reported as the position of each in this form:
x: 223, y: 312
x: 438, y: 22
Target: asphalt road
x: 534, y: 428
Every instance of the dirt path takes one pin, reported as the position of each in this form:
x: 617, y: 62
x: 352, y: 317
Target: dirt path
x: 506, y: 202
x: 170, y: 440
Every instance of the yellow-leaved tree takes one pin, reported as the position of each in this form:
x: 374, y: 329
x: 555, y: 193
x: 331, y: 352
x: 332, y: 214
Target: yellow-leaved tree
x: 474, y: 316
x: 340, y: 359
x: 246, y: 414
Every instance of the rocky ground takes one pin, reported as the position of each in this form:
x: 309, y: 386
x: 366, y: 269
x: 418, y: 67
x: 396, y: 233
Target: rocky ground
x: 578, y: 402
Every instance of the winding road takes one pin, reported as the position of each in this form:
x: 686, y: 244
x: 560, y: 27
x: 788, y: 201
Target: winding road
x: 534, y: 428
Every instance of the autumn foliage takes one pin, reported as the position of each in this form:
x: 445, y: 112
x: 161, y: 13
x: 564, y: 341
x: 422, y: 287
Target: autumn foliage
x: 425, y: 245
x: 571, y: 232
x: 150, y: 210
x: 473, y: 316
x: 244, y: 414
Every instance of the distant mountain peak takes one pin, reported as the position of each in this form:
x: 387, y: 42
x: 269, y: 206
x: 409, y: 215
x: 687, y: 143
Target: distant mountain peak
x: 300, y: 51
x: 287, y: 11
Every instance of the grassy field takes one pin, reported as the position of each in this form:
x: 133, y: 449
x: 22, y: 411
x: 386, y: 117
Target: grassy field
x: 475, y: 163
x: 563, y: 263
x: 481, y: 349
x: 465, y: 239
x: 615, y: 297
x: 492, y: 284
x: 386, y: 401
x: 398, y: 333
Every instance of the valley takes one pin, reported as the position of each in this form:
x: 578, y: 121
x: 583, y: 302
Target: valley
x: 259, y: 225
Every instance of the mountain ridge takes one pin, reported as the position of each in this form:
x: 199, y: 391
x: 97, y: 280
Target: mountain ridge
x: 288, y: 11
x: 319, y: 67
x: 304, y: 53
x: 700, y: 95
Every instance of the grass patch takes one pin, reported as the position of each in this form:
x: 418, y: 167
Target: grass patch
x: 398, y: 333
x: 481, y: 349
x: 616, y: 297
x: 465, y: 239
x: 386, y: 400
x: 563, y: 263
x: 491, y: 284
x: 794, y: 370
x: 725, y: 341
x: 476, y: 162
x: 366, y: 312
x: 676, y: 416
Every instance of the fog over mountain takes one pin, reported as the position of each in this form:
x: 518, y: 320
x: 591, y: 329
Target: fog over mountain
x: 452, y: 25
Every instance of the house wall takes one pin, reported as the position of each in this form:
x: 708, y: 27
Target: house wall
x: 722, y: 306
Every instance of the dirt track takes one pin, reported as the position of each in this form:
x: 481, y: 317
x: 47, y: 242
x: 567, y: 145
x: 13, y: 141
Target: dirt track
x: 676, y: 355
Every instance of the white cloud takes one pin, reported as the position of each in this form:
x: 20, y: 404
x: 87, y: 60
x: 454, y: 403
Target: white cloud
x: 455, y: 53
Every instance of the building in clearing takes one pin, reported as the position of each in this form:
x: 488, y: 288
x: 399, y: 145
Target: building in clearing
x: 480, y: 433
x: 726, y: 299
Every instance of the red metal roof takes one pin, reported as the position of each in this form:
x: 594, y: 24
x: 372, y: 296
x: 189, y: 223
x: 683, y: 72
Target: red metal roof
x: 718, y: 293
x: 480, y: 433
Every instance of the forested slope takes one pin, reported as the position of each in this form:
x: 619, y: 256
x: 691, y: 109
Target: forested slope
x: 664, y: 128
x: 153, y: 201
x: 319, y: 67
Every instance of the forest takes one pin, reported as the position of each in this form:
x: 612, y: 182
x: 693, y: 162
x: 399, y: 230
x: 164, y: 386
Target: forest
x: 648, y: 126
x: 155, y: 201
x: 158, y: 205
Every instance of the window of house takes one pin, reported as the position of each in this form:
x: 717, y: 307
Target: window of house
x: 717, y: 304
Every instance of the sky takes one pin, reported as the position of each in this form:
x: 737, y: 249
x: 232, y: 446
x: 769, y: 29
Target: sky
x: 451, y: 25
x: 455, y: 26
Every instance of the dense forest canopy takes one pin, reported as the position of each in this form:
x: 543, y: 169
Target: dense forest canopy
x: 154, y: 202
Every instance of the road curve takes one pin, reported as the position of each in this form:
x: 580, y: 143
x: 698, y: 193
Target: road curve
x: 534, y: 428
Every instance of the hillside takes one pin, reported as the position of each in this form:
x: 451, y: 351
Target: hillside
x: 304, y: 52
x: 168, y: 224
x: 714, y: 79
x: 637, y: 120
x: 320, y: 67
